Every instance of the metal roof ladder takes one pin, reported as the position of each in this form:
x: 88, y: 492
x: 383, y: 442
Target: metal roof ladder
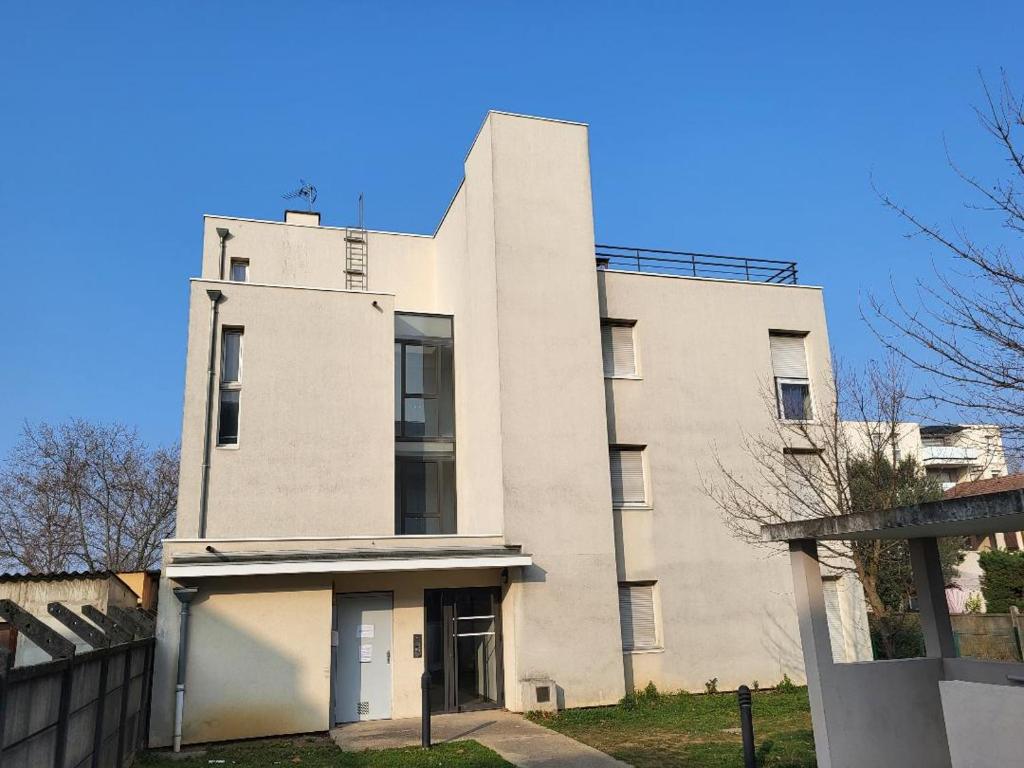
x: 356, y: 254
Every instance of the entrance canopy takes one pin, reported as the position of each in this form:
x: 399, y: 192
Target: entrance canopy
x: 213, y: 562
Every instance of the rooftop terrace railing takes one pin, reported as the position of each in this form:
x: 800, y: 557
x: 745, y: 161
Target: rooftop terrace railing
x: 688, y: 264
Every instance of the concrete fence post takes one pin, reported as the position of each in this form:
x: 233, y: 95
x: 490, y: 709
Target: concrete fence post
x: 126, y: 680
x: 67, y: 677
x: 3, y: 705
x: 1017, y: 631
x: 101, y: 706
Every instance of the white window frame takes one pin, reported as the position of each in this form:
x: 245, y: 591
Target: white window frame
x: 658, y: 646
x: 230, y: 386
x: 808, y: 417
x: 644, y: 470
x: 631, y: 324
x: 244, y: 263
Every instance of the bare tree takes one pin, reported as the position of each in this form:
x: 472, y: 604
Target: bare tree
x: 847, y: 460
x: 83, y: 495
x: 966, y: 329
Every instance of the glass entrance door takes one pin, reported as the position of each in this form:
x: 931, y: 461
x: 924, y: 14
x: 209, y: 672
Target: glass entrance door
x: 463, y: 653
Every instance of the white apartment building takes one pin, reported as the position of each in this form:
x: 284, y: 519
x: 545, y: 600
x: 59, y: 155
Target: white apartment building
x: 949, y: 453
x: 955, y: 456
x: 475, y: 453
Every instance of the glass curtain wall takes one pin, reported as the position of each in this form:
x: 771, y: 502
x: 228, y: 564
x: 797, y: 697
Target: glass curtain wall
x: 424, y: 425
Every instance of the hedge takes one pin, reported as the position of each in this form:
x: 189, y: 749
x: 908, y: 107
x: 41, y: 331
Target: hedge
x: 1002, y: 582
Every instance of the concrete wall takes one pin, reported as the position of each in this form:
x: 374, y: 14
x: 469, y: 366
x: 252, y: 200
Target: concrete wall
x: 261, y: 660
x: 726, y: 608
x: 467, y: 289
x: 982, y: 723
x: 885, y: 713
x: 314, y: 257
x: 315, y: 454
x: 34, y: 596
x: 554, y: 443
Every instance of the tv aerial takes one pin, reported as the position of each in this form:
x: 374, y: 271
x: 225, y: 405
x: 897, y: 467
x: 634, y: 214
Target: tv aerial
x: 305, y: 192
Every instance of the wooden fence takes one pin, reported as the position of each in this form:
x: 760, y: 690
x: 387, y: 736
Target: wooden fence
x: 994, y: 636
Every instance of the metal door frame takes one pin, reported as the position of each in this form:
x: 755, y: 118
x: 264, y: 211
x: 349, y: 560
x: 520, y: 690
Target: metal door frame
x: 337, y: 597
x: 449, y: 655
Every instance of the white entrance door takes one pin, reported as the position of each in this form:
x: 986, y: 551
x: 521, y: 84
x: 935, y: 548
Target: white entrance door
x: 362, y: 682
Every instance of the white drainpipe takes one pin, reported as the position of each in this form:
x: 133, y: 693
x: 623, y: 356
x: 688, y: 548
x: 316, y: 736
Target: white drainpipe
x: 185, y: 596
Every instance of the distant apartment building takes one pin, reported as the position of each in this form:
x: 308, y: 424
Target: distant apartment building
x: 475, y: 453
x: 948, y: 453
x: 960, y: 453
x: 964, y: 459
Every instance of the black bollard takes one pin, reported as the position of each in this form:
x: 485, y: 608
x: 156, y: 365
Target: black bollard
x: 747, y: 726
x: 425, y: 724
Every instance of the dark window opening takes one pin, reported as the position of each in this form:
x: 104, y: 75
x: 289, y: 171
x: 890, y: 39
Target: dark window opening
x: 424, y: 425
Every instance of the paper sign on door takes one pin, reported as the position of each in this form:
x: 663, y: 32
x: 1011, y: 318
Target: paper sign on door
x: 365, y: 654
x: 365, y: 630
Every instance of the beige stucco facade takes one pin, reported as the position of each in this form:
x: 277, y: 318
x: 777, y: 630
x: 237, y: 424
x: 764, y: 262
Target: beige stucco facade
x: 312, y: 476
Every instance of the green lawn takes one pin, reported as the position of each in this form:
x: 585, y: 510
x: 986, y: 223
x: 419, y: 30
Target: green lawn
x: 677, y: 730
x: 321, y: 752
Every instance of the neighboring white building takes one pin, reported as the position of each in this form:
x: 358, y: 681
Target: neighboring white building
x: 949, y: 453
x: 959, y: 453
x: 965, y: 459
x: 474, y: 453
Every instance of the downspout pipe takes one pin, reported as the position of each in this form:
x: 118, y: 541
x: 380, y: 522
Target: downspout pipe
x: 185, y: 596
x: 224, y: 234
x: 211, y: 372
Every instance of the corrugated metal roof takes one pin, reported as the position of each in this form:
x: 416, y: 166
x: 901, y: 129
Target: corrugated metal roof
x: 58, y: 576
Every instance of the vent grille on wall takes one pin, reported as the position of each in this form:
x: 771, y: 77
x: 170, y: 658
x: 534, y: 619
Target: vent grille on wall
x: 363, y: 708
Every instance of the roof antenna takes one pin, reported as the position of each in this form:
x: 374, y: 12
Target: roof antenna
x: 360, y: 211
x: 307, y: 192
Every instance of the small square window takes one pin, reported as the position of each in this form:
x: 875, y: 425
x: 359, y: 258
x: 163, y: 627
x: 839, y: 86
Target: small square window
x: 794, y: 399
x: 239, y: 271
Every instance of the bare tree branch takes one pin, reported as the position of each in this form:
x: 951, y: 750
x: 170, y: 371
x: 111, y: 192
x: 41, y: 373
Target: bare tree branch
x: 966, y: 331
x: 82, y: 495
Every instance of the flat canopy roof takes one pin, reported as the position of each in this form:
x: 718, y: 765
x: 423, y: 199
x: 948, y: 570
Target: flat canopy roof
x: 199, y: 565
x: 981, y: 514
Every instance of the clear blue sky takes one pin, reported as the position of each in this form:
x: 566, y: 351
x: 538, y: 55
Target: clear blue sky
x: 750, y: 129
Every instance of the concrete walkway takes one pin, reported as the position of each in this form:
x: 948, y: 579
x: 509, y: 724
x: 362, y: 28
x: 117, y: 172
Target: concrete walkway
x: 515, y: 738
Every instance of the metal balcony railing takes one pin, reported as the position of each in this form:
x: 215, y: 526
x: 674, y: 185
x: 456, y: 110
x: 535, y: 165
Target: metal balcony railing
x: 615, y: 257
x: 948, y: 455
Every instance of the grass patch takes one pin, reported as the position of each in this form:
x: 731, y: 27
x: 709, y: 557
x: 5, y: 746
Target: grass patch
x: 321, y: 752
x: 681, y: 730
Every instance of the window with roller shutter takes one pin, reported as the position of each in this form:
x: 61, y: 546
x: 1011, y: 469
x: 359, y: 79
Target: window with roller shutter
x: 789, y: 368
x: 618, y: 348
x: 637, y: 616
x: 629, y: 487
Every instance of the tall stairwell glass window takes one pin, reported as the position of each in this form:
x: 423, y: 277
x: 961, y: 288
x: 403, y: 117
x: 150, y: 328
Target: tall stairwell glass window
x: 789, y: 369
x: 230, y: 386
x: 424, y: 425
